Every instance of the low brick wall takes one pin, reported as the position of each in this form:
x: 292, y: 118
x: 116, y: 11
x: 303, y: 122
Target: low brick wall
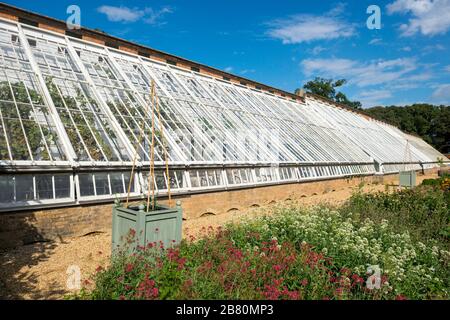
x: 24, y: 227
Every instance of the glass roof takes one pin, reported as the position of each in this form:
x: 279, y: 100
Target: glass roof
x: 63, y: 100
x: 76, y: 115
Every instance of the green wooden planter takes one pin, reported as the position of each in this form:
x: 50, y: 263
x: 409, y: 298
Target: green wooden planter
x: 133, y: 227
x: 407, y: 179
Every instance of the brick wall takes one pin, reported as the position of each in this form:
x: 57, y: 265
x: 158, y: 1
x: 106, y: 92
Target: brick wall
x: 25, y: 227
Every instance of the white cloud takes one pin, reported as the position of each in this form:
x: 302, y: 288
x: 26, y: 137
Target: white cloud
x: 429, y: 17
x: 407, y: 49
x: 373, y: 97
x: 247, y: 71
x: 431, y: 49
x: 362, y: 74
x: 306, y: 27
x: 317, y: 50
x: 126, y: 15
x: 375, y: 41
x: 121, y: 14
x: 228, y: 69
x: 447, y: 68
x: 442, y: 93
x: 153, y: 16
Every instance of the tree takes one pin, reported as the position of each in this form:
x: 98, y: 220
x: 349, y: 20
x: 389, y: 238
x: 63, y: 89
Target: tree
x: 327, y: 88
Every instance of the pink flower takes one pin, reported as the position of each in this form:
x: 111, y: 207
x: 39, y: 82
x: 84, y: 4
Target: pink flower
x: 277, y: 268
x: 129, y: 267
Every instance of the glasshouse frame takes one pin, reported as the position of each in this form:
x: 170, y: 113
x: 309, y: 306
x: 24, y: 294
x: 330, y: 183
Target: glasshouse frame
x: 71, y: 112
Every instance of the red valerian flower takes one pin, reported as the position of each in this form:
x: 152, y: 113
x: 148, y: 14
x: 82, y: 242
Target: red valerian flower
x: 401, y: 297
x: 339, y: 291
x: 277, y: 268
x: 129, y: 267
x: 181, y: 263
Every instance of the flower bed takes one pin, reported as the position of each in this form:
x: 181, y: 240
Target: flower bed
x: 319, y: 253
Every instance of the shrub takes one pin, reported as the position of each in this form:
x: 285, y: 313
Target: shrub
x: 414, y: 269
x: 431, y: 182
x: 218, y: 268
x: 423, y: 212
x: 317, y: 253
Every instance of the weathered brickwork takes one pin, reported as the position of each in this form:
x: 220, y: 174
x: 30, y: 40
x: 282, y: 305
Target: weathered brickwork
x: 18, y: 228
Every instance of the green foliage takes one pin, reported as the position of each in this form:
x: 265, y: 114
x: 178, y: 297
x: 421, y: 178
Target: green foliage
x: 423, y: 212
x: 317, y: 253
x: 442, y: 182
x: 431, y: 182
x: 327, y: 88
x: 91, y: 138
x: 18, y: 133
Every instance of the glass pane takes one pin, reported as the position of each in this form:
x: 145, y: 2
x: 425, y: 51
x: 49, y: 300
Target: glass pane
x: 174, y: 176
x: 203, y: 178
x: 160, y: 180
x: 17, y: 140
x: 244, y: 176
x: 116, y: 183
x: 44, y: 187
x: 218, y: 174
x: 230, y: 176
x: 194, y: 180
x: 24, y: 188
x: 126, y: 176
x: 86, y: 184
x: 62, y: 186
x: 6, y: 189
x: 102, y: 184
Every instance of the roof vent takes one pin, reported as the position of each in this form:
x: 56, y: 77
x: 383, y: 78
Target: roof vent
x: 300, y: 93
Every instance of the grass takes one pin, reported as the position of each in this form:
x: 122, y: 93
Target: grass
x: 317, y: 253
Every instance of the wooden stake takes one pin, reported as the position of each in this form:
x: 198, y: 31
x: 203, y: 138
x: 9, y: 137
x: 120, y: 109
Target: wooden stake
x: 152, y: 153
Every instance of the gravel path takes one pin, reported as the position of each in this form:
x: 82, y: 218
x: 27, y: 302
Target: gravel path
x: 39, y: 271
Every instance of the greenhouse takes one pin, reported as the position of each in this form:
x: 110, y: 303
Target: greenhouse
x: 70, y: 127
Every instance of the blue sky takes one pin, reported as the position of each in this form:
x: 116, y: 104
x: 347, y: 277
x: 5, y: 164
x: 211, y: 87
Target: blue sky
x: 286, y: 43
